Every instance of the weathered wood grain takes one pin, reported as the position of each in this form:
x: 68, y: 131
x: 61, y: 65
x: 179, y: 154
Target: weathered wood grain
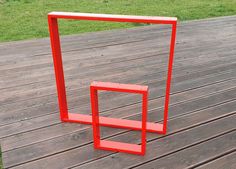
x: 226, y: 161
x: 191, y: 155
x: 52, y: 119
x: 185, y: 83
x: 42, y: 46
x: 155, y: 114
x: 185, y: 117
x: 157, y: 147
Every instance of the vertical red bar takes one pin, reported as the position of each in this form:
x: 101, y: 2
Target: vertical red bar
x: 168, y: 83
x: 144, y: 122
x: 95, y: 116
x: 58, y: 67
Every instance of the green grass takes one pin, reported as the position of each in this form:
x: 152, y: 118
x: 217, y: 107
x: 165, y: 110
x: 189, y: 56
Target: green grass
x: 1, y: 160
x: 26, y: 19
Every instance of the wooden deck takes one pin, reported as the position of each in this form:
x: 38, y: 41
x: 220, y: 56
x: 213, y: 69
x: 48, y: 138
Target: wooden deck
x: 201, y: 130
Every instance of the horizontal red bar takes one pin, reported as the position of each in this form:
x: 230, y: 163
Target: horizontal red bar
x: 119, y: 87
x: 114, y: 18
x: 116, y: 123
x: 119, y: 146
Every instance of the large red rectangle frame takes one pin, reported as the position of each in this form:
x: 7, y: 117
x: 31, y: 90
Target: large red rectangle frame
x: 59, y: 73
x: 113, y: 145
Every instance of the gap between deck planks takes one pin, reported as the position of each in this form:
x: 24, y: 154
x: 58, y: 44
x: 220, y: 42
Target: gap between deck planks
x: 196, y: 153
x: 225, y: 161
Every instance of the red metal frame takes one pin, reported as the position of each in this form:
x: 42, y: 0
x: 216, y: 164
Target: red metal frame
x: 113, y: 145
x: 58, y: 65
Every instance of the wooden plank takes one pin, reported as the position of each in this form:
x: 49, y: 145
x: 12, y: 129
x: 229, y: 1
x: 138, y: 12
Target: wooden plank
x: 77, y: 70
x: 194, y: 154
x: 187, y: 36
x: 73, y: 85
x: 102, y: 51
x: 186, y: 69
x: 19, y: 47
x: 155, y: 148
x: 52, y: 119
x: 15, y: 77
x: 30, y: 113
x: 95, y: 54
x: 109, y: 44
x: 175, y: 110
x: 35, y: 66
x: 226, y: 161
x: 197, y: 82
x: 58, y: 143
x: 171, y: 145
x: 38, y: 85
x: 160, y: 39
x: 132, y: 80
x: 97, y: 35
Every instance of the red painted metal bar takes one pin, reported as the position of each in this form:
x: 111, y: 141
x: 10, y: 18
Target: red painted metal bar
x: 116, y: 123
x: 118, y: 87
x: 58, y: 66
x: 113, y: 18
x: 113, y: 145
x: 169, y: 74
x: 144, y: 121
x: 95, y: 116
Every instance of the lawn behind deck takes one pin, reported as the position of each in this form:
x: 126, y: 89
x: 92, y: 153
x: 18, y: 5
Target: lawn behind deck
x: 26, y: 19
x: 0, y: 160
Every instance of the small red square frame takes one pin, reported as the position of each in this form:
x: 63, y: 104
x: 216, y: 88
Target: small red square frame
x: 59, y: 73
x: 113, y: 145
